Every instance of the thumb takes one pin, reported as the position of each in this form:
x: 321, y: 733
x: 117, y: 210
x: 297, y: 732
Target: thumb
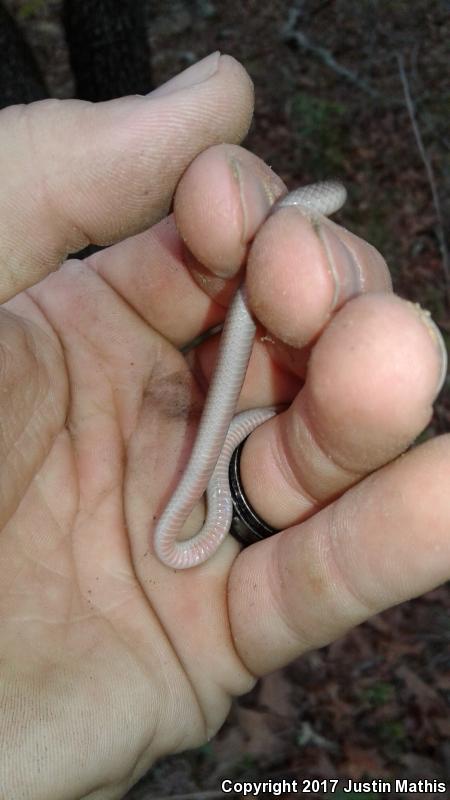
x: 74, y: 173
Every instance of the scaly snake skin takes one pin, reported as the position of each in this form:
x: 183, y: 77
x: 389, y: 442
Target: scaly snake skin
x: 220, y: 431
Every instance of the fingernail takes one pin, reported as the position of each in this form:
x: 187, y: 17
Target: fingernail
x: 433, y: 330
x: 342, y: 264
x: 197, y: 73
x: 257, y: 193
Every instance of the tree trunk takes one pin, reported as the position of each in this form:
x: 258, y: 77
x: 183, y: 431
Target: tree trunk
x: 108, y: 47
x: 20, y: 77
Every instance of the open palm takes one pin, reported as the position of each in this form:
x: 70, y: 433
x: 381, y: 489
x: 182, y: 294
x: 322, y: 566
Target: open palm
x: 109, y: 659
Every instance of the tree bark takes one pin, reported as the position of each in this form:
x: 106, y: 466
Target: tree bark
x: 108, y: 47
x: 20, y: 78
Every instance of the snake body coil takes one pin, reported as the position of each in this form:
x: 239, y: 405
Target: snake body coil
x: 220, y: 431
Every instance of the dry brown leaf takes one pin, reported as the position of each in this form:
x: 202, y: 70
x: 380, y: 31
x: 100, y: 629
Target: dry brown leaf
x: 360, y: 761
x: 426, y: 697
x: 276, y: 695
x: 262, y: 734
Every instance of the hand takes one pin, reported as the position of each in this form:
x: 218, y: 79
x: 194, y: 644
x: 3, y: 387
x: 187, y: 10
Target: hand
x: 108, y: 659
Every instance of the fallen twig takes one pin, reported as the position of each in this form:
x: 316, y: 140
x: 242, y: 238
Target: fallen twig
x: 440, y: 230
x: 291, y: 34
x: 327, y: 58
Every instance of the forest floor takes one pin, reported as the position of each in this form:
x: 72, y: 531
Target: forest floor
x: 330, y: 102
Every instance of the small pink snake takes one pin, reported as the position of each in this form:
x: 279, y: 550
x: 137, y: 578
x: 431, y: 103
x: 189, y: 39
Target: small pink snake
x: 220, y: 431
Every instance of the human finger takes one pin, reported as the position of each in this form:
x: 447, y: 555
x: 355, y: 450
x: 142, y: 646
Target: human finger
x: 75, y: 173
x: 371, y: 381
x: 381, y: 543
x: 192, y: 262
x: 221, y: 200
